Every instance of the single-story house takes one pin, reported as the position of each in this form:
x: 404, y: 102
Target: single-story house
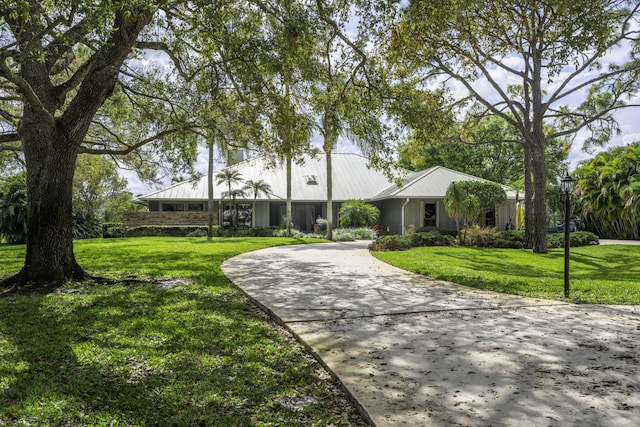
x: 417, y: 200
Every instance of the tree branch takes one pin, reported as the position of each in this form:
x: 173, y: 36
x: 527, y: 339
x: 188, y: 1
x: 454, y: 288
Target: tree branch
x: 131, y: 148
x: 518, y: 125
x: 27, y: 92
x: 7, y: 139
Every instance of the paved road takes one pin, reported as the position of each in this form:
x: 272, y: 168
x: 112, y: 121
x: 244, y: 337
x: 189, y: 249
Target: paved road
x: 413, y: 351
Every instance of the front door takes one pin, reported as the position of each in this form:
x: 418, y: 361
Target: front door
x: 303, y: 217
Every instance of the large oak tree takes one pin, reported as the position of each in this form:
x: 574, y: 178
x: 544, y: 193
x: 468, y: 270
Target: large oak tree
x: 60, y: 62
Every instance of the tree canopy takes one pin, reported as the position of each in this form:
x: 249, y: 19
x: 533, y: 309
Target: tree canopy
x: 143, y: 82
x: 607, y: 193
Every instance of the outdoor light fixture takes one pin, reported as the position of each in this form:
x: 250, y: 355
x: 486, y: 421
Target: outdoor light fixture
x: 566, y: 184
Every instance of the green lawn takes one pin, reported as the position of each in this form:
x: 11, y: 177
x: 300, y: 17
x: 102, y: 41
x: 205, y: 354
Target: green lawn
x: 607, y: 274
x: 144, y: 354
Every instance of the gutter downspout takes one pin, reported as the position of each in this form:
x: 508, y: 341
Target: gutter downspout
x: 402, y: 215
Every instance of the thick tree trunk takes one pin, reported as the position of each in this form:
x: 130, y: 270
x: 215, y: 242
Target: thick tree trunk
x: 539, y: 199
x: 51, y: 130
x: 50, y: 160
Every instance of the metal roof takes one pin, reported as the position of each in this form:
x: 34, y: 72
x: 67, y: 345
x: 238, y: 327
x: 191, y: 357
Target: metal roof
x: 430, y: 183
x: 352, y: 179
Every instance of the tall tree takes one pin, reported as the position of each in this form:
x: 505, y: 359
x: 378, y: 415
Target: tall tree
x: 533, y: 58
x: 349, y: 94
x: 286, y: 72
x: 230, y: 177
x: 59, y: 65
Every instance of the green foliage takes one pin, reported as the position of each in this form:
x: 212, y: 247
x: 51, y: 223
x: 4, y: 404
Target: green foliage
x: 257, y: 231
x: 347, y: 234
x: 13, y: 210
x: 466, y: 200
x: 283, y: 232
x: 430, y: 238
x: 112, y: 230
x: 489, y: 148
x: 607, y: 194
x: 514, y: 239
x: 447, y: 232
x: 490, y: 194
x: 357, y: 213
x: 576, y: 239
x: 86, y: 227
x: 476, y: 236
x: 391, y: 242
x: 163, y: 230
x: 97, y: 187
x: 197, y: 233
x: 532, y: 43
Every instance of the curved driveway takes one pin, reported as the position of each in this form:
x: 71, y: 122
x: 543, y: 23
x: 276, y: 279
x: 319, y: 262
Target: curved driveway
x: 414, y: 351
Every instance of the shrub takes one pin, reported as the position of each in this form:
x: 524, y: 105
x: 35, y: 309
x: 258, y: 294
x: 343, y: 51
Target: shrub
x: 258, y: 231
x: 112, y: 230
x: 576, y: 239
x: 163, y: 230
x: 513, y: 235
x: 362, y: 233
x: 430, y: 238
x: 282, y: 232
x: 86, y: 227
x: 500, y: 242
x: 13, y: 213
x: 447, y: 232
x: 390, y: 243
x: 197, y: 233
x: 478, y: 236
x: 344, y: 235
x: 492, y: 238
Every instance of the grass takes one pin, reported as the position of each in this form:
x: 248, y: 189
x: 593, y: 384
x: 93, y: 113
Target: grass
x: 608, y: 274
x: 143, y: 354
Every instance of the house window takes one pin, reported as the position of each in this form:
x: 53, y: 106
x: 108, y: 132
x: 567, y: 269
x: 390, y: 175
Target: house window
x: 490, y: 218
x: 430, y: 215
x: 243, y: 217
x: 199, y: 207
x: 173, y: 207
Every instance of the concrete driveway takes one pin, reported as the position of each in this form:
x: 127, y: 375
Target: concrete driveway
x: 413, y: 351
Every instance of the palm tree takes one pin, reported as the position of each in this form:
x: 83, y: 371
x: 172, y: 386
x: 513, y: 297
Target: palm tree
x: 229, y: 177
x: 256, y: 188
x: 608, y: 193
x: 358, y: 213
x: 454, y: 203
x: 471, y: 209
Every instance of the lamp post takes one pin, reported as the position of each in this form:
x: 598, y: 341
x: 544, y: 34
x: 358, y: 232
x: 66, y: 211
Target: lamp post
x: 566, y: 184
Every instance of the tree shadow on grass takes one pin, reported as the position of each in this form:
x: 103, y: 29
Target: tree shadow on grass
x: 137, y: 355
